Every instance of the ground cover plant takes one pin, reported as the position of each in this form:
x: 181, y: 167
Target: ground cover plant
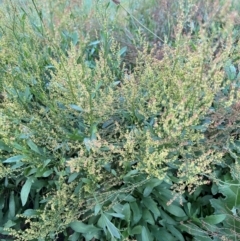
x: 119, y: 120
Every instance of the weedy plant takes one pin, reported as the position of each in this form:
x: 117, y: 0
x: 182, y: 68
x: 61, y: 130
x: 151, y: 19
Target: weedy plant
x: 96, y: 147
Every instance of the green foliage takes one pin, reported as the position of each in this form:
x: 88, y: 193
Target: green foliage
x: 95, y: 146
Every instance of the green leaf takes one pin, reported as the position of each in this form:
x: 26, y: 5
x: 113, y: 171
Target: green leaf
x: 214, y: 189
x: 94, y: 43
x: 122, y: 51
x: 73, y: 176
x: 46, y: 162
x: 152, y: 206
x: 33, y: 146
x: 231, y: 71
x: 74, y: 237
x: 150, y: 185
x: 126, y: 212
x: 97, y: 208
x: 110, y: 226
x: 47, y: 173
x: 17, y: 165
x: 4, y: 147
x: 118, y: 208
x: 126, y: 197
x: 87, y: 143
x: 175, y: 232
x: 116, y: 215
x: 146, y: 236
x: 9, y: 224
x: 162, y: 233
x: 14, y: 159
x: 137, y: 212
x: 81, y: 227
x: 238, y: 76
x: 147, y: 216
x: 77, y: 108
x: 214, y: 219
x: 175, y: 210
x: 74, y: 37
x: 232, y: 194
x: 12, y: 205
x: 168, y: 219
x: 93, y: 131
x: 30, y: 212
x: 203, y: 238
x: 26, y: 190
x: 136, y: 230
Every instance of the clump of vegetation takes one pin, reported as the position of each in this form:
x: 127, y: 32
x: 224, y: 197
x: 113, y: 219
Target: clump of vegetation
x: 114, y: 128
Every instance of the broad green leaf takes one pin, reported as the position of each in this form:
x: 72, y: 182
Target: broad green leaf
x: 33, y: 146
x: 116, y: 215
x: 17, y: 165
x: 17, y: 146
x: 146, y: 236
x: 175, y: 232
x: 137, y: 212
x: 152, y: 206
x: 214, y: 189
x: 87, y: 143
x: 234, y: 211
x: 86, y: 180
x: 147, y: 216
x: 92, y: 236
x: 192, y: 229
x: 77, y: 108
x: 126, y: 212
x: 74, y: 237
x: 204, y: 238
x: 165, y: 194
x: 231, y: 71
x: 165, y: 235
x: 122, y: 51
x: 93, y: 131
x: 97, y: 208
x: 111, y: 228
x: 4, y: 147
x: 167, y: 218
x: 136, y: 230
x: 157, y: 232
x: 150, y: 185
x: 81, y: 227
x: 14, y: 159
x: 74, y: 37
x: 47, y: 173
x: 94, y: 43
x: 232, y: 193
x: 214, y: 219
x: 46, y: 162
x: 175, y: 210
x: 118, y: 208
x: 9, y: 224
x: 73, y: 176
x: 12, y: 205
x: 26, y: 189
x: 238, y: 76
x: 39, y: 184
x: 220, y: 206
x: 30, y: 212
x: 126, y: 197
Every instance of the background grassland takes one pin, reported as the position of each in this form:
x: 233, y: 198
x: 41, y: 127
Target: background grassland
x: 119, y: 121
